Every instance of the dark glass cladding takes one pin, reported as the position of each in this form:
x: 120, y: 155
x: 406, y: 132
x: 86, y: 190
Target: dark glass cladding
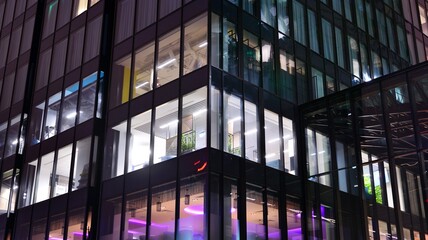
x: 213, y: 119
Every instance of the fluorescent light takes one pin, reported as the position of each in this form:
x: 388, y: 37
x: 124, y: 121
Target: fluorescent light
x: 270, y: 155
x: 170, y: 123
x: 274, y: 140
x: 71, y: 115
x: 251, y: 199
x: 234, y: 119
x: 142, y: 85
x: 199, y: 112
x: 166, y: 63
x: 15, y: 142
x: 203, y: 44
x: 252, y: 131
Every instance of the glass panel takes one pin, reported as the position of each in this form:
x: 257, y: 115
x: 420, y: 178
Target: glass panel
x: 388, y: 185
x: 353, y: 56
x: 290, y: 161
x: 87, y: 97
x: 283, y: 18
x: 254, y: 203
x: 64, y: 13
x: 294, y: 220
x: 165, y: 131
x: 339, y: 47
x: 143, y: 70
x: 168, y: 6
x: 44, y: 179
x: 251, y: 132
x: 115, y: 148
x: 110, y: 218
x: 313, y: 38
x: 37, y: 116
x: 14, y: 44
x: 81, y: 164
x: 195, y: 44
x: 192, y: 223
x: 194, y: 121
x: 124, y: 19
x: 20, y: 82
x: 230, y: 47
x: 168, y: 58
x: 93, y: 39
x: 327, y: 40
x: 251, y: 58
x: 162, y: 225
x: 274, y: 230
x: 216, y: 39
x: 43, y: 68
x: 6, y: 186
x: 232, y: 124
x: 62, y: 171
x: 139, y: 152
x: 381, y: 27
x: 50, y: 17
x: 69, y: 107
x: 38, y: 229
x: 215, y: 98
x: 4, y: 46
x: 27, y: 35
x: 3, y: 143
x: 6, y: 97
x: 13, y: 138
x: 317, y: 83
x: 75, y: 49
x: 377, y: 183
x: 287, y: 84
x: 146, y: 13
x: 230, y: 210
x: 26, y: 194
x: 268, y: 11
x: 299, y: 22
x: 135, y: 216
x: 268, y: 66
x: 56, y: 226
x: 272, y: 140
x: 76, y: 218
x: 79, y: 7
x: 50, y: 126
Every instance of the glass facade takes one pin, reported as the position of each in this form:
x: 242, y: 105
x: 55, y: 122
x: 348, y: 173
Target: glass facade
x: 213, y: 119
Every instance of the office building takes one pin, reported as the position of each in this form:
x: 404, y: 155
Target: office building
x: 213, y: 119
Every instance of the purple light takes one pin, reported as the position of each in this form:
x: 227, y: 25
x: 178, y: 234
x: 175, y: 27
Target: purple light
x: 275, y: 235
x: 55, y: 238
x: 79, y: 233
x: 195, y: 210
x: 295, y: 231
x: 134, y: 232
x: 142, y: 222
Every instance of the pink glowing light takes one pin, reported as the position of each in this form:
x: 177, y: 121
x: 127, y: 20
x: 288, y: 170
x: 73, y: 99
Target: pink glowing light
x: 199, y: 210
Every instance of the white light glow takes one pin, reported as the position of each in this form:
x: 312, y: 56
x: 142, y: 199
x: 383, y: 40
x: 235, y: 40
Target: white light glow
x: 166, y: 63
x: 199, y: 112
x: 271, y: 155
x: 252, y: 131
x: 274, y: 140
x: 168, y: 124
x: 203, y: 44
x: 15, y: 142
x: 234, y: 119
x: 71, y: 115
x: 142, y: 85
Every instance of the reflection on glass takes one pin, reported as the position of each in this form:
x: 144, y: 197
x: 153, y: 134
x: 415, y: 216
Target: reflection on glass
x: 81, y: 164
x: 13, y: 139
x: 216, y: 39
x: 50, y: 125
x: 230, y: 210
x: 215, y: 98
x: 274, y: 230
x: 254, y: 202
x: 167, y: 67
x: 76, y: 218
x: 43, y: 182
x: 165, y: 131
x: 232, y: 124
x: 192, y: 224
x: 272, y: 140
x: 251, y: 132
x: 62, y: 171
x: 120, y: 77
x: 251, y: 58
x: 6, y: 186
x: 115, y: 145
x: 139, y: 152
x: 290, y: 161
x: 162, y: 225
x: 56, y: 226
x: 3, y: 128
x: 194, y: 121
x: 230, y: 47
x: 135, y: 216
x: 38, y: 229
x: 294, y: 220
x: 143, y: 70
x: 110, y: 219
x: 79, y: 7
x: 195, y: 44
x: 268, y: 66
x: 286, y: 83
x: 69, y: 107
x: 87, y: 97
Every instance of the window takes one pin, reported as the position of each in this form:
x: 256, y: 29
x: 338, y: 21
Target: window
x: 290, y: 161
x: 135, y: 215
x: 50, y: 125
x: 194, y: 121
x: 216, y: 39
x: 124, y: 20
x: 254, y: 203
x: 6, y: 96
x: 167, y: 68
x: 268, y: 66
x: 299, y: 22
x: 69, y: 107
x: 139, y: 146
x: 143, y: 70
x: 81, y: 164
x: 6, y: 186
x: 353, y: 56
x: 313, y: 38
x: 14, y: 44
x: 64, y: 13
x: 79, y: 7
x: 268, y: 11
x: 195, y: 44
x: 43, y: 68
x: 165, y: 131
x: 283, y: 18
x: 232, y: 124
x: 339, y: 48
x: 20, y: 82
x: 27, y: 35
x: 146, y: 13
x: 163, y: 212
x: 3, y: 130
x: 168, y: 6
x: 272, y: 140
x: 87, y: 97
x: 230, y: 47
x: 58, y: 59
x: 119, y: 86
x: 4, y: 46
x: 50, y: 18
x: 14, y: 140
x: 317, y: 83
x: 115, y: 151
x: 251, y: 58
x: 93, y: 39
x: 75, y: 49
x: 44, y: 179
x: 37, y: 116
x: 287, y: 84
x: 62, y: 170
x: 251, y: 132
x: 294, y: 219
x: 327, y: 40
